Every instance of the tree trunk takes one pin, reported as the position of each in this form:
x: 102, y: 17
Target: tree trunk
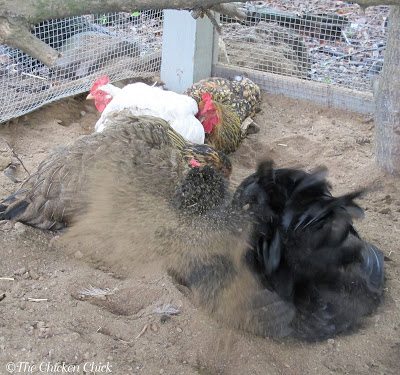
x: 387, y: 100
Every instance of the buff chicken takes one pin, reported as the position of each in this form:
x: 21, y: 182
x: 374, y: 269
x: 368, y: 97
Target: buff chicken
x: 225, y: 108
x: 135, y: 146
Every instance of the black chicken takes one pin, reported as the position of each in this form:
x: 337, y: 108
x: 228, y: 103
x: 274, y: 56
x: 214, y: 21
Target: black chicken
x: 303, y: 246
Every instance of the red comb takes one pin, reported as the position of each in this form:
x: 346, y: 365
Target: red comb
x: 194, y: 163
x: 103, y: 80
x: 206, y: 96
x: 208, y: 103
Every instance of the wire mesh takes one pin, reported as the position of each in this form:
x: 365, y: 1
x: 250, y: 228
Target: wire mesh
x: 333, y: 42
x: 122, y: 45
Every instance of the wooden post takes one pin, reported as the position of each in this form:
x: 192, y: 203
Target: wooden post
x: 187, y: 50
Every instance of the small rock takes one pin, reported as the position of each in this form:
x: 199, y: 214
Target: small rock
x: 331, y: 341
x: 20, y: 228
x: 10, y: 172
x: 51, y: 354
x: 33, y: 275
x: 59, y: 122
x: 5, y: 161
x: 154, y: 327
x: 362, y: 140
x: 83, y: 113
x: 384, y: 211
x: 78, y: 255
x: 388, y: 199
x: 44, y: 333
x: 20, y: 271
x: 179, y: 330
x: 161, y: 371
x: 6, y: 224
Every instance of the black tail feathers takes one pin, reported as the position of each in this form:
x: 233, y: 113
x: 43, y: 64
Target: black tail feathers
x: 304, y: 247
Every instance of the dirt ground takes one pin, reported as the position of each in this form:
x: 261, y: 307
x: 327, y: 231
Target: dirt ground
x: 44, y: 321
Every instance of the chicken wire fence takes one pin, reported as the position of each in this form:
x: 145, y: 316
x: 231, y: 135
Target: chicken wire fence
x: 122, y: 45
x: 332, y: 42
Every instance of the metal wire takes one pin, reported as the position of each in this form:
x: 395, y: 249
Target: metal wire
x: 121, y: 45
x: 333, y: 42
x: 328, y: 41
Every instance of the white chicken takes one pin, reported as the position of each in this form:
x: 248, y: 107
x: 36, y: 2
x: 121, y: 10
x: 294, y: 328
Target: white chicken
x: 141, y: 100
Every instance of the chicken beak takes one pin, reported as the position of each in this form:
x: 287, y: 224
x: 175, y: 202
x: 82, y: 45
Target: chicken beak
x: 90, y: 97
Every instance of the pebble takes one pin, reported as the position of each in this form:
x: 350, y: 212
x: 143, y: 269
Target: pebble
x: 179, y: 330
x: 83, y: 113
x: 50, y: 354
x: 78, y: 255
x: 33, y: 275
x: 20, y: 271
x: 6, y: 225
x: 5, y: 161
x: 385, y: 210
x: 20, y: 228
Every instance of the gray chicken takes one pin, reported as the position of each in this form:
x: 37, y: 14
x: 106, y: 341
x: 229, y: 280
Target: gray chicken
x: 138, y: 147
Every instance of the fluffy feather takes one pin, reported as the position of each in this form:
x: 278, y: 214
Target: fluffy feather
x: 144, y: 100
x: 53, y: 196
x: 223, y: 106
x: 304, y: 247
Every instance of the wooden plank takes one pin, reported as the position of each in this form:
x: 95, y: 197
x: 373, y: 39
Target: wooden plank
x: 187, y: 49
x: 316, y: 92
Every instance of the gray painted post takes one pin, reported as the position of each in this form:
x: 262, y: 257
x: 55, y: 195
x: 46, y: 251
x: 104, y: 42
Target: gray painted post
x: 187, y: 51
